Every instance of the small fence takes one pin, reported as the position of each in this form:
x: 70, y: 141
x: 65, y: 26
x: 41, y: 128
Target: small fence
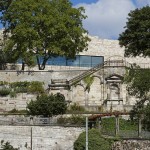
x: 109, y: 125
x: 123, y: 128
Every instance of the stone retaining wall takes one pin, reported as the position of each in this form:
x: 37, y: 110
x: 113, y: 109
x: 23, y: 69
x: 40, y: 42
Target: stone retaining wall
x: 43, y: 138
x: 132, y: 145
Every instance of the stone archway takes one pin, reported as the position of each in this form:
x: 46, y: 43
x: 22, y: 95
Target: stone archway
x: 95, y: 93
x: 79, y: 95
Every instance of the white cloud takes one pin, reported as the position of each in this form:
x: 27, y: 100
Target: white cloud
x: 106, y: 18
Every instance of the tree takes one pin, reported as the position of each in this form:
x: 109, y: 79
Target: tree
x: 138, y: 82
x: 96, y: 141
x: 138, y: 85
x: 136, y: 40
x: 47, y: 105
x: 136, y: 37
x: 43, y: 28
x: 5, y: 55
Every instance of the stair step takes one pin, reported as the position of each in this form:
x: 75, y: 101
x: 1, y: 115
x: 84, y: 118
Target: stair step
x: 58, y: 81
x: 58, y: 85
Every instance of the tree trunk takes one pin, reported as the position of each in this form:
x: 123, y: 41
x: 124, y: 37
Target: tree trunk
x: 23, y: 66
x: 42, y: 66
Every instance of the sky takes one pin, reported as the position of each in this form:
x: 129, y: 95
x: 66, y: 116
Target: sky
x: 107, y: 18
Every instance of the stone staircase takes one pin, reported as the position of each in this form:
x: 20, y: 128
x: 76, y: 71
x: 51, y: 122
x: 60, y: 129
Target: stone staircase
x: 58, y: 84
x: 64, y: 83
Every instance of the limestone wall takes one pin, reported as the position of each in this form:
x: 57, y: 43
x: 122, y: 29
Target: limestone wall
x: 132, y: 145
x: 109, y: 49
x: 101, y: 91
x: 43, y: 138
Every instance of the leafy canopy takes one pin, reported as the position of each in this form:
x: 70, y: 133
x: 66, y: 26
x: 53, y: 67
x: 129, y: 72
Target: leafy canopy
x: 136, y: 40
x: 43, y: 28
x: 47, y: 105
x: 136, y: 37
x: 138, y: 82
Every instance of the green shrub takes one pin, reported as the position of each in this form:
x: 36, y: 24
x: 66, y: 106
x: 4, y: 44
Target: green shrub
x: 25, y: 86
x: 73, y: 120
x: 109, y: 124
x: 88, y: 80
x: 19, y: 84
x: 3, y: 83
x: 47, y: 105
x: 15, y: 111
x: 12, y: 94
x: 4, y: 91
x: 36, y: 87
x: 21, y: 89
x: 76, y: 108
x: 95, y: 141
x: 7, y: 146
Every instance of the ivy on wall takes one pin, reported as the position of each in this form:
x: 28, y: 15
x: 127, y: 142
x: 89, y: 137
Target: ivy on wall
x: 34, y: 87
x: 88, y: 80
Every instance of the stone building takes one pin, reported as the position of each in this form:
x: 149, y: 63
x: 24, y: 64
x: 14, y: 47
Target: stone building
x: 105, y: 71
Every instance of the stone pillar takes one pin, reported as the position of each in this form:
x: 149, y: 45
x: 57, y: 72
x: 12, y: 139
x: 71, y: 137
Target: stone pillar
x: 86, y: 98
x: 117, y: 125
x: 139, y: 126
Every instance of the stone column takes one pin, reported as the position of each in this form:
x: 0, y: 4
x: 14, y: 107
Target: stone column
x: 117, y: 125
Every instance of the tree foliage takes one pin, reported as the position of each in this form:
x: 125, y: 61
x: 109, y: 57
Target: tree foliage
x: 43, y: 28
x: 47, y: 105
x: 95, y: 141
x: 4, y: 55
x: 138, y: 84
x: 136, y: 37
x: 136, y: 40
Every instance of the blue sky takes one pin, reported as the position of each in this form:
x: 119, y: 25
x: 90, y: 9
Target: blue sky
x: 107, y: 18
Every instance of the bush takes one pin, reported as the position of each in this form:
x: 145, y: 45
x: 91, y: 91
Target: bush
x: 108, y: 124
x: 4, y: 91
x: 95, y: 141
x: 7, y: 146
x: 47, y: 105
x: 12, y: 94
x: 36, y: 87
x: 15, y: 111
x: 3, y: 83
x: 76, y: 108
x: 25, y: 86
x: 73, y: 120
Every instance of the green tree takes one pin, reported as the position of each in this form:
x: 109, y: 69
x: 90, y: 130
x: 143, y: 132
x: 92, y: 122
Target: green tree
x: 96, y: 141
x: 7, y: 146
x: 136, y: 40
x: 138, y: 85
x: 136, y: 37
x: 43, y: 28
x: 4, y: 55
x: 47, y: 105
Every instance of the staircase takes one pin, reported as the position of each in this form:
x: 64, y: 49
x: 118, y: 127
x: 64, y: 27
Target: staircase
x: 86, y: 73
x: 64, y: 83
x: 59, y: 84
